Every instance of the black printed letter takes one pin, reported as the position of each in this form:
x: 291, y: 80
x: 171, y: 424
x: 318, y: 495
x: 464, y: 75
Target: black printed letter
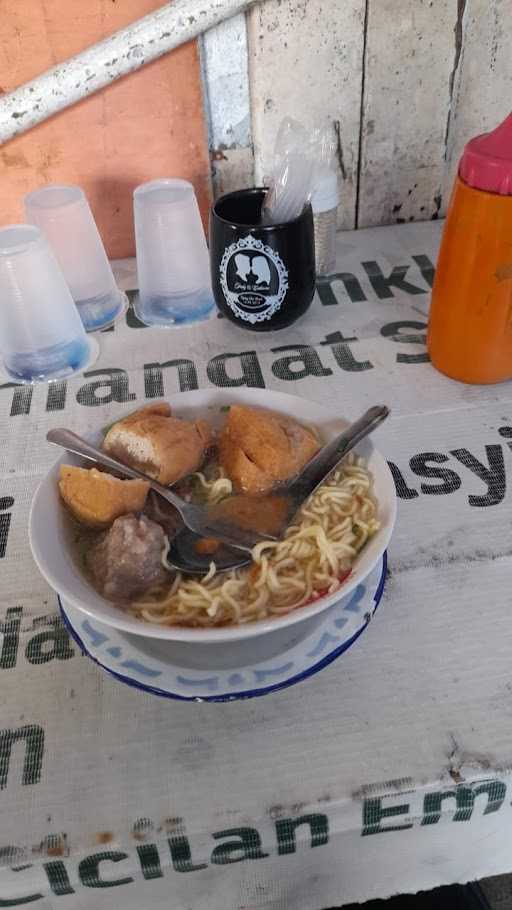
x: 343, y: 355
x: 419, y: 466
x: 392, y: 330
x: 6, y: 502
x: 402, y: 490
x: 305, y: 357
x: 464, y: 801
x: 38, y: 652
x: 21, y: 399
x: 382, y: 285
x: 286, y: 828
x: 58, y: 877
x: 154, y: 378
x: 88, y: 870
x: 11, y: 633
x: 426, y: 268
x: 34, y: 750
x: 493, y: 476
x: 56, y: 397
x: 248, y: 846
x: 251, y: 371
x: 115, y: 384
x: 352, y: 287
x: 373, y: 813
x: 149, y: 861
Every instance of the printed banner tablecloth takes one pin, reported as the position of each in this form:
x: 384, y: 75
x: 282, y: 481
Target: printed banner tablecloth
x: 390, y: 770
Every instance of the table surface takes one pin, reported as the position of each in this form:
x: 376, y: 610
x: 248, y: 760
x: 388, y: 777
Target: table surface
x: 388, y: 771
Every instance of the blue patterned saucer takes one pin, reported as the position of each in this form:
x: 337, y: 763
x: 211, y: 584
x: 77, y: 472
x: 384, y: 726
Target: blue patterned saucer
x: 232, y: 670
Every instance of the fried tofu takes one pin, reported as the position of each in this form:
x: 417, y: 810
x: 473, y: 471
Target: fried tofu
x: 259, y: 449
x: 165, y: 448
x: 96, y: 499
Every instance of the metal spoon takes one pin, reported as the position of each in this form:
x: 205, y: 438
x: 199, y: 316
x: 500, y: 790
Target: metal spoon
x: 196, y: 519
x: 183, y: 554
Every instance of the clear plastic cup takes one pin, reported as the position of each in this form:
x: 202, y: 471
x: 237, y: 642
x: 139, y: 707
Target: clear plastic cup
x: 172, y: 256
x: 41, y: 333
x: 63, y: 214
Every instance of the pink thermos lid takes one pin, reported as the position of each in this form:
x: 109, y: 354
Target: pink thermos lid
x: 486, y: 163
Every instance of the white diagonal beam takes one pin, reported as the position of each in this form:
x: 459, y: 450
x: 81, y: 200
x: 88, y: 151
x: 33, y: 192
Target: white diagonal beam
x: 122, y: 53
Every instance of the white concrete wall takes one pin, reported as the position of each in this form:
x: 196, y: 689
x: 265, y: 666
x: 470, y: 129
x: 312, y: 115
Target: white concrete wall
x: 226, y: 91
x: 404, y: 82
x: 305, y: 61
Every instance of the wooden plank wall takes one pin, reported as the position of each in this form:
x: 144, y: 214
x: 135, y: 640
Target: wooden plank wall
x: 409, y: 81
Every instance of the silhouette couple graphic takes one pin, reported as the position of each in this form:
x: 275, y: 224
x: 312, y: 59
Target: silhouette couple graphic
x: 253, y: 269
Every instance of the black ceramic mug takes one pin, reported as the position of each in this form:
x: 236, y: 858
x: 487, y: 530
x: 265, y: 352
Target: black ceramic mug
x: 263, y: 276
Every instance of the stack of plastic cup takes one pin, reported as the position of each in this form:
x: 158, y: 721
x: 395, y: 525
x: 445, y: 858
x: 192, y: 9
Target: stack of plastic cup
x: 41, y: 333
x: 172, y: 256
x: 64, y: 216
x: 324, y: 203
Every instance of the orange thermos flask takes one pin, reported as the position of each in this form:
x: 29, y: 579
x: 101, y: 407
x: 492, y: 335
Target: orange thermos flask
x: 470, y: 326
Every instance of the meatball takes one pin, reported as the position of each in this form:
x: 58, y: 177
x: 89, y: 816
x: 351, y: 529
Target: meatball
x: 126, y: 560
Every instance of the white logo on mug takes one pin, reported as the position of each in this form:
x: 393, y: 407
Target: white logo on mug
x: 254, y: 279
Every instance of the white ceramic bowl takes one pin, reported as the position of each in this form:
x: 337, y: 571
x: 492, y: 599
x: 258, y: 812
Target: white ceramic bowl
x: 53, y: 551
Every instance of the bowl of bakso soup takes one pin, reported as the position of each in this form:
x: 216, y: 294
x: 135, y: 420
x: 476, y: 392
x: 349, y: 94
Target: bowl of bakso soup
x: 101, y: 541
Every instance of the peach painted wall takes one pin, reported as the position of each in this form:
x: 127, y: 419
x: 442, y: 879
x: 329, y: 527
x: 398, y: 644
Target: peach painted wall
x: 149, y: 124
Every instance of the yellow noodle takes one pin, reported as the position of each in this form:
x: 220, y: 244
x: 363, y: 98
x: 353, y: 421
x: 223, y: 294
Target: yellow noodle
x: 217, y: 489
x: 315, y: 552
